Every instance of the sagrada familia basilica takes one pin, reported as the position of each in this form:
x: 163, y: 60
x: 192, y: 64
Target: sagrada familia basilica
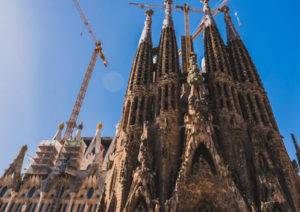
x: 189, y: 139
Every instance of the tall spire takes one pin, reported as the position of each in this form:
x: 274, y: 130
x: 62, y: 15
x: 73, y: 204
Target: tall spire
x: 168, y: 116
x: 297, y: 147
x: 207, y: 11
x: 141, y: 76
x: 168, y: 21
x: 232, y: 33
x: 142, y: 64
x: 146, y: 34
x: 215, y: 51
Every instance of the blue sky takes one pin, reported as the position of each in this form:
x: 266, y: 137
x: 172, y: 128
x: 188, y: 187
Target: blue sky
x: 45, y: 51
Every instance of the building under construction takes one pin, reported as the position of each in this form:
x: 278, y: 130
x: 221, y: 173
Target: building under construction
x: 190, y: 138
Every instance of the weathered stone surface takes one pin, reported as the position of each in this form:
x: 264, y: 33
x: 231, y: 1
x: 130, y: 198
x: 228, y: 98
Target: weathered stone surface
x: 187, y: 141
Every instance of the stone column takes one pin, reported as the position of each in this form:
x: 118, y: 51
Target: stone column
x: 24, y: 207
x: 72, y: 197
x: 40, y: 202
x: 13, y: 194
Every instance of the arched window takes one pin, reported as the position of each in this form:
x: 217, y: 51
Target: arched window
x: 202, y: 163
x: 90, y: 193
x: 166, y: 97
x: 141, y: 110
x: 3, y: 191
x: 141, y: 205
x: 31, y: 192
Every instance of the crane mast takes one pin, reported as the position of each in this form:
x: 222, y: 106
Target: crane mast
x: 188, y: 41
x: 71, y: 124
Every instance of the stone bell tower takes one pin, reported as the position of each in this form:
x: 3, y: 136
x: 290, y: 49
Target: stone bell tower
x: 138, y: 110
x: 198, y: 141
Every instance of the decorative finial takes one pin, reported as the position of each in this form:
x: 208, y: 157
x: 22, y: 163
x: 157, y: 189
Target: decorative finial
x: 225, y: 9
x: 78, y: 133
x: 146, y: 34
x: 80, y: 126
x: 58, y: 134
x: 98, y: 131
x: 207, y: 12
x: 168, y: 21
x: 232, y: 34
x: 149, y: 13
x: 100, y: 126
x: 61, y: 126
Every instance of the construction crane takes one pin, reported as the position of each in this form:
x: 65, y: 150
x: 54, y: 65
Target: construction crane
x: 71, y: 124
x: 188, y: 41
x: 186, y: 10
x: 201, y: 26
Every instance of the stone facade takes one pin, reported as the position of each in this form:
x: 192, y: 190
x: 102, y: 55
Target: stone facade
x: 188, y: 140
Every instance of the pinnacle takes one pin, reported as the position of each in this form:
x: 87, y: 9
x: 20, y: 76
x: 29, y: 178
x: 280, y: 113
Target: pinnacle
x: 168, y: 21
x: 207, y: 11
x: 146, y: 34
x: 232, y: 34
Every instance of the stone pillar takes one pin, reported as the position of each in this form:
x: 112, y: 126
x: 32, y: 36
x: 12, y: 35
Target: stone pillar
x: 40, y: 202
x: 13, y: 194
x: 72, y: 197
x: 86, y: 207
x: 24, y: 207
